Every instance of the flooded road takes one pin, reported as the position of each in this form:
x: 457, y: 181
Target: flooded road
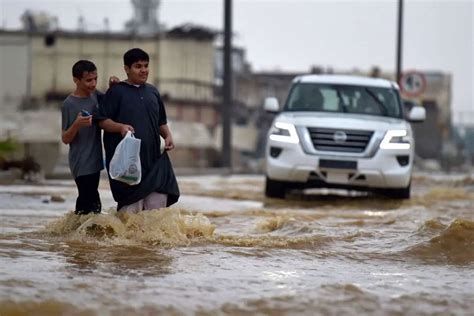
x: 224, y: 249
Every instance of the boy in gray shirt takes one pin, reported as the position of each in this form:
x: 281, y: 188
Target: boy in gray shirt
x: 83, y: 136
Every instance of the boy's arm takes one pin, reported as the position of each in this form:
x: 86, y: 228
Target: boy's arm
x: 166, y: 134
x: 107, y: 111
x: 69, y: 134
x: 111, y: 126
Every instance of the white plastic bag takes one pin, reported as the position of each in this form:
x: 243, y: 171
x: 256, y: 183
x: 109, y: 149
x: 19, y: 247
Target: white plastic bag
x: 125, y: 165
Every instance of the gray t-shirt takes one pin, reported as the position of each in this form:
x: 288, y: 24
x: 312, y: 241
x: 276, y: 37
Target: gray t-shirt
x: 85, y: 151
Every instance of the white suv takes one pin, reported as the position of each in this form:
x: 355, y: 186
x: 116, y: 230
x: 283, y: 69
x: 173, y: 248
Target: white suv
x: 341, y: 132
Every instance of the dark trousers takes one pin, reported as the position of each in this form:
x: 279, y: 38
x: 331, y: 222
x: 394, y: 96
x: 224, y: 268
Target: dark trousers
x: 88, y: 199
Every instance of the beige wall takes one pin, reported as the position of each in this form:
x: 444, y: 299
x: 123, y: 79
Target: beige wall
x: 210, y: 116
x: 203, y: 113
x: 13, y: 70
x: 172, y: 60
x: 187, y: 59
x: 52, y: 65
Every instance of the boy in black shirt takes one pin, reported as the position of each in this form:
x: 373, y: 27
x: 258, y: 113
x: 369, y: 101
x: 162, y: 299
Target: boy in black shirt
x: 136, y: 106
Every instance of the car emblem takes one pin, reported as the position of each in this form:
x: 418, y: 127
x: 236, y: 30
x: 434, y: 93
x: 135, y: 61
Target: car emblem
x: 340, y: 137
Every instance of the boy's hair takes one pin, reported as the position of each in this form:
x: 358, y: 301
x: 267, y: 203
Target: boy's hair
x: 134, y: 55
x: 81, y: 67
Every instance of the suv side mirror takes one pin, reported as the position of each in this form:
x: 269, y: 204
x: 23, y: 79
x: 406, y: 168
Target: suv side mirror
x: 271, y: 105
x: 417, y: 114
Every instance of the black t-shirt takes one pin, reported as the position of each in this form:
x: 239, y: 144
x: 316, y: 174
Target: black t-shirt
x: 142, y: 108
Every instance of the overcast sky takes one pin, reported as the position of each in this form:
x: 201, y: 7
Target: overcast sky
x: 292, y: 35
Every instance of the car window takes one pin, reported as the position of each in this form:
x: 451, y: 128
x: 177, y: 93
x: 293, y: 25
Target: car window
x: 344, y: 98
x: 331, y: 100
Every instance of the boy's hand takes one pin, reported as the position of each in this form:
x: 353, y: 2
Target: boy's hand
x: 169, y: 144
x: 126, y: 128
x: 113, y: 80
x: 82, y: 121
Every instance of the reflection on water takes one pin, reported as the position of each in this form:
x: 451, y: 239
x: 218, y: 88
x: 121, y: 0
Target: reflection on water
x: 319, y: 253
x: 123, y: 260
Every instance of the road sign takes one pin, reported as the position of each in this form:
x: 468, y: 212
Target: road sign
x: 412, y: 83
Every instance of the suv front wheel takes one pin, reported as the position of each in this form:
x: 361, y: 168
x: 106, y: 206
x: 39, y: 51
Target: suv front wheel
x: 398, y: 193
x: 275, y: 189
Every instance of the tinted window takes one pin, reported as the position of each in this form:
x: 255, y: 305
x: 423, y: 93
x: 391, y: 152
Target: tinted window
x: 344, y: 98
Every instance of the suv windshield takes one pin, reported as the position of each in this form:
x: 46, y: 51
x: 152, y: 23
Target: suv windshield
x: 345, y: 99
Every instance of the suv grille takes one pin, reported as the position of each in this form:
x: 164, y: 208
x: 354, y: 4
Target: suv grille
x: 341, y: 140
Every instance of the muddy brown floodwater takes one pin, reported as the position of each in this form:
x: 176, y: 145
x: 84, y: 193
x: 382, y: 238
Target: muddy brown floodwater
x: 224, y: 249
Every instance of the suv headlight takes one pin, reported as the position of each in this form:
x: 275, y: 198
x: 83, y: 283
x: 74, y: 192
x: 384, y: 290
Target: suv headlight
x: 396, y: 139
x: 284, y: 132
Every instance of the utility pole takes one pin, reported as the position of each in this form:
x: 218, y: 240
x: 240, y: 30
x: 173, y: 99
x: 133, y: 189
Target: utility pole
x: 399, y: 41
x: 227, y: 88
x: 29, y: 70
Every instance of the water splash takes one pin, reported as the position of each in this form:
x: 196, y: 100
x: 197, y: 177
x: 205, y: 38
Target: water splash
x: 431, y: 226
x: 274, y: 223
x: 164, y: 227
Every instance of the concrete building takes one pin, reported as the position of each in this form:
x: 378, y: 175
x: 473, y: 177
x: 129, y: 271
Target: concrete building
x: 180, y: 62
x: 36, y: 77
x: 14, y: 65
